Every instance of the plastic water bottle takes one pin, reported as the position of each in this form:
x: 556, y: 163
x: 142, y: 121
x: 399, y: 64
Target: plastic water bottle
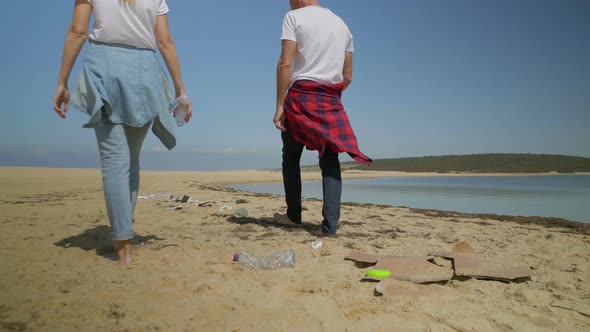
x: 182, y: 106
x: 241, y: 213
x: 281, y: 259
x: 229, y: 211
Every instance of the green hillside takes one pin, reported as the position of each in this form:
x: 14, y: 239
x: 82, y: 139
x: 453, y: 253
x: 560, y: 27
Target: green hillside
x: 480, y: 163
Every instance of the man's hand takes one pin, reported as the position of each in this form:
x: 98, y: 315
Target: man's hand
x: 279, y: 119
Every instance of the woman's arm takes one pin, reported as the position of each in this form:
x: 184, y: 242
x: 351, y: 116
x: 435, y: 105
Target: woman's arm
x: 168, y: 51
x: 75, y: 38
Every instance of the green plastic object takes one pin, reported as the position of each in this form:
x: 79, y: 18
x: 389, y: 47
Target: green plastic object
x: 378, y: 273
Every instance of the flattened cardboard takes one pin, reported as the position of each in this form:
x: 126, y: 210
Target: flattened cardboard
x: 416, y: 269
x: 361, y: 257
x: 398, y: 288
x: 467, y: 263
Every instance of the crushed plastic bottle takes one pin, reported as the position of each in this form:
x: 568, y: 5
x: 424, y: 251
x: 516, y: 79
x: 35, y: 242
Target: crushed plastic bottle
x: 281, y: 259
x: 182, y: 106
x: 229, y: 211
x: 241, y: 213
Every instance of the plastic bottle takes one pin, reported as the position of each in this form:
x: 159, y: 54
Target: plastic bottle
x: 241, y: 213
x: 281, y: 259
x: 182, y: 106
x: 227, y: 210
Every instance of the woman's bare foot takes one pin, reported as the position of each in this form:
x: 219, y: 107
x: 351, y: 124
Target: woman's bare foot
x: 123, y: 249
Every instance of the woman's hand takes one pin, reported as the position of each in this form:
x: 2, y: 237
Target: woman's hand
x: 61, y: 101
x: 189, y: 113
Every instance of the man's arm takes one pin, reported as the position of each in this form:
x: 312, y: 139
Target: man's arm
x: 347, y: 70
x: 284, y: 72
x: 285, y: 69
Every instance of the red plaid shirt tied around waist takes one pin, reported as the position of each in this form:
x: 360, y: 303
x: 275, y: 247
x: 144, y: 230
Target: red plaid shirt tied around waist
x: 316, y: 118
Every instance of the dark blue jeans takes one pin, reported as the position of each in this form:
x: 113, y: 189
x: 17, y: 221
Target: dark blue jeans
x: 331, y: 183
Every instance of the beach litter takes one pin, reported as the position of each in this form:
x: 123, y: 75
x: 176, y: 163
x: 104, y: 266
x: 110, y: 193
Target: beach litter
x: 280, y: 259
x: 317, y: 244
x: 399, y: 288
x: 417, y: 269
x: 376, y: 273
x: 226, y: 208
x: 154, y: 195
x: 468, y: 264
x: 423, y: 269
x: 206, y: 203
x: 174, y: 208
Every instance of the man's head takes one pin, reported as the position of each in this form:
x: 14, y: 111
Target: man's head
x: 296, y: 4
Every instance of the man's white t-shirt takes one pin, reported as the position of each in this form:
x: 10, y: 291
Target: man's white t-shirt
x: 120, y: 23
x: 322, y: 40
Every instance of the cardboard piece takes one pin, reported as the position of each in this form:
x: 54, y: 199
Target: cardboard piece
x: 398, y: 288
x: 361, y: 257
x: 467, y: 263
x: 416, y: 269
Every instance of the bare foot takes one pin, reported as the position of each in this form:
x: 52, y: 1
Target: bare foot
x: 283, y: 219
x: 123, y: 249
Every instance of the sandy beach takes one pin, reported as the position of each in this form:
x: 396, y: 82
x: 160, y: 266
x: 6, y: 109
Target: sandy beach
x: 58, y: 273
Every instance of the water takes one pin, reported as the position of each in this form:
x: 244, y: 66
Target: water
x: 563, y: 196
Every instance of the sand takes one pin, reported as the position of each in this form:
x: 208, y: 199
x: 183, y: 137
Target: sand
x: 58, y: 273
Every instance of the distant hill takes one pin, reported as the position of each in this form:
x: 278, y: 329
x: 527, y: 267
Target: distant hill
x: 480, y: 163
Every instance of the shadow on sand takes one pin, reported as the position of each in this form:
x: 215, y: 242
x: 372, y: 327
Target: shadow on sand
x: 99, y: 239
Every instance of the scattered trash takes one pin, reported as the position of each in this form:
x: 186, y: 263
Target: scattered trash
x: 281, y: 259
x: 175, y: 208
x: 421, y: 269
x: 317, y: 244
x: 226, y: 208
x: 378, y: 273
x: 418, y: 269
x: 467, y: 263
x: 206, y: 203
x: 399, y: 288
x: 154, y: 195
x: 180, y: 198
x: 241, y: 213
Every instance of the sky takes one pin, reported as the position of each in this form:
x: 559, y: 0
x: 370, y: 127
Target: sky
x: 431, y: 77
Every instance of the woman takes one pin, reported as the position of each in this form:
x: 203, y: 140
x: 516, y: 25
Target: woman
x: 124, y: 90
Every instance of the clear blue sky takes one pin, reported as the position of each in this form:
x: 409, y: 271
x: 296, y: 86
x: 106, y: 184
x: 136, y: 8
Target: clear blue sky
x: 431, y: 77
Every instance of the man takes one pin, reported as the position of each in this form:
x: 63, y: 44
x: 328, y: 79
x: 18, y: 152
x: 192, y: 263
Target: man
x: 314, y: 68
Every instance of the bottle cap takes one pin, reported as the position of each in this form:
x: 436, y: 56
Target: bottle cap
x: 236, y: 256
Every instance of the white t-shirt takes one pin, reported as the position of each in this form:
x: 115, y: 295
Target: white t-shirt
x: 322, y: 40
x: 120, y: 23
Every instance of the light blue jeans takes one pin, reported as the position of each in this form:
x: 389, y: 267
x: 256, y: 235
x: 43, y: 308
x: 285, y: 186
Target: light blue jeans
x: 119, y: 146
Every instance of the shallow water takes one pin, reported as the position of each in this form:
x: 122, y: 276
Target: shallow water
x: 562, y: 196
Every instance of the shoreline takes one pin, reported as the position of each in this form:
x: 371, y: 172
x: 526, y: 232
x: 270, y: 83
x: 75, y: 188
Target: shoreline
x: 549, y: 222
x: 219, y: 180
